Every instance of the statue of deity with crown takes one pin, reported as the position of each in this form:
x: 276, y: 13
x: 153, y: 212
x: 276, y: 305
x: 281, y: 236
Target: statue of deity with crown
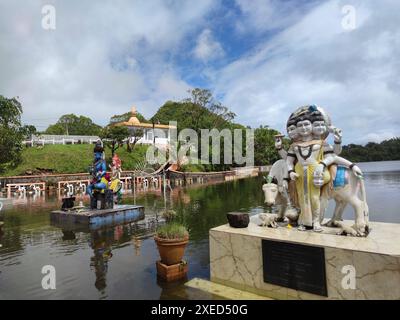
x: 318, y: 172
x: 103, y: 186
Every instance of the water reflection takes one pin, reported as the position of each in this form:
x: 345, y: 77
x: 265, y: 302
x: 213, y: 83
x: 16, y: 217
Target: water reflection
x: 389, y: 179
x: 119, y: 262
x: 172, y: 290
x: 381, y: 188
x: 104, y: 240
x: 101, y: 243
x: 1, y: 235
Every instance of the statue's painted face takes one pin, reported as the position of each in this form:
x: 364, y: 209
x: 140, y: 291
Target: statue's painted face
x: 292, y: 132
x: 319, y: 128
x: 98, y: 155
x: 304, y: 128
x: 116, y: 162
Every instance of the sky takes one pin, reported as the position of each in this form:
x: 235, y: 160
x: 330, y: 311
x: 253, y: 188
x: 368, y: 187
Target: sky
x: 260, y: 58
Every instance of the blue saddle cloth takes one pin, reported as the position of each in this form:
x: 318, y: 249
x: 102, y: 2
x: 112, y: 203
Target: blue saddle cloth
x: 340, y: 179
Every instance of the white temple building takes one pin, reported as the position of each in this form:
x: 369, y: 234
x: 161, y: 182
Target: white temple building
x: 157, y: 134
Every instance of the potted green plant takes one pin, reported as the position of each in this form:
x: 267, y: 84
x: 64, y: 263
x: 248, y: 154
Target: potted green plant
x: 169, y: 215
x: 171, y: 240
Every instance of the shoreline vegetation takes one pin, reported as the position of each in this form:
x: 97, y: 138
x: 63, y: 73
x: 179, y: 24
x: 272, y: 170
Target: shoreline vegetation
x: 199, y: 111
x: 387, y: 150
x: 60, y: 159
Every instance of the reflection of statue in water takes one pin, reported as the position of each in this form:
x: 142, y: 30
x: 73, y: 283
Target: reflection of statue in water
x: 102, y: 254
x: 176, y: 290
x: 137, y: 243
x: 68, y: 235
x: 1, y: 230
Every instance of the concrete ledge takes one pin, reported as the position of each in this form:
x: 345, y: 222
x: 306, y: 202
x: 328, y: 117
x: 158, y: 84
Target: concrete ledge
x: 236, y: 260
x: 222, y: 291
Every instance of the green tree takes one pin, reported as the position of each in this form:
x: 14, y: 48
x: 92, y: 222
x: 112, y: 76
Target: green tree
x: 204, y: 99
x: 29, y: 130
x: 135, y: 135
x: 190, y: 115
x: 71, y: 124
x: 114, y: 137
x: 197, y: 113
x: 200, y: 97
x: 11, y: 132
x: 125, y: 117
x: 384, y: 151
x: 264, y: 146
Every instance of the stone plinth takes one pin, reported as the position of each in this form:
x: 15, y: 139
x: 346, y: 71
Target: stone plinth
x: 173, y: 272
x: 236, y: 260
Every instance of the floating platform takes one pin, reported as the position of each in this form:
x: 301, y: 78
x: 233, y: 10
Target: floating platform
x: 94, y: 219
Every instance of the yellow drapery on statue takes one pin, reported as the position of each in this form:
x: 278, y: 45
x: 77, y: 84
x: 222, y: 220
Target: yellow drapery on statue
x: 115, y: 185
x: 309, y: 194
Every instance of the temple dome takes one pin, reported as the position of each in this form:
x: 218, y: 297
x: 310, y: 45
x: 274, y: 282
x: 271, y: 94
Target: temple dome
x: 135, y: 123
x: 133, y: 120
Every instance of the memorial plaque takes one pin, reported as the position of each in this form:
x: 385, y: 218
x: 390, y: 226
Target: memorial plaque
x: 294, y: 266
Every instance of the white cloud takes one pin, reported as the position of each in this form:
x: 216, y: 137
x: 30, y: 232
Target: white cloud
x: 99, y: 61
x: 354, y: 75
x: 264, y: 15
x: 207, y: 48
x: 380, y: 135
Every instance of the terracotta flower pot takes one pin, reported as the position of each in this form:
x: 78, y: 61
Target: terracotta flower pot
x: 171, y: 250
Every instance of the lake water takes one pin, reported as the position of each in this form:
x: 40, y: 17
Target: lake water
x: 119, y: 263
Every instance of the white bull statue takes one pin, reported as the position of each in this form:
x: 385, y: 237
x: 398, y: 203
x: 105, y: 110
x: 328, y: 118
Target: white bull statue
x: 276, y: 192
x: 344, y: 193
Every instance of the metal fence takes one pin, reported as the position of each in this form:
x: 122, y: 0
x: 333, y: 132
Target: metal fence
x: 59, y: 139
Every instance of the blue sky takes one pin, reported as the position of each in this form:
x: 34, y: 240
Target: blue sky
x: 261, y: 58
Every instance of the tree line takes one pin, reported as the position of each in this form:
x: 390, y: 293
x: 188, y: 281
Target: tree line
x: 199, y: 111
x: 385, y: 151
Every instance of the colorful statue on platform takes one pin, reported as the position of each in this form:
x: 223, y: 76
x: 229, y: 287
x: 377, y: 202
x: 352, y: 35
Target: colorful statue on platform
x: 116, y: 167
x: 98, y: 170
x: 116, y: 183
x: 316, y: 174
x: 98, y: 189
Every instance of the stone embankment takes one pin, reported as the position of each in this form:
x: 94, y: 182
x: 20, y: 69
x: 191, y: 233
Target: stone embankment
x: 57, y: 181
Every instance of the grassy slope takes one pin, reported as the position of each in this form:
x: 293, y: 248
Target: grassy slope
x: 70, y: 158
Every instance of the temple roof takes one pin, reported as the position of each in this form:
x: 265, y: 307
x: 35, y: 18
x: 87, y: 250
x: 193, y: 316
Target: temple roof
x: 134, y: 122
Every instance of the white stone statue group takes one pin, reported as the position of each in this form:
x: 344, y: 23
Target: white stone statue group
x: 310, y: 173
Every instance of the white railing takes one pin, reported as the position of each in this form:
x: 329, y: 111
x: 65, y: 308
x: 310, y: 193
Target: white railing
x: 60, y: 139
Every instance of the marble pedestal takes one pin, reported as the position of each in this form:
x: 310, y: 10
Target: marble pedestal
x: 236, y: 260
